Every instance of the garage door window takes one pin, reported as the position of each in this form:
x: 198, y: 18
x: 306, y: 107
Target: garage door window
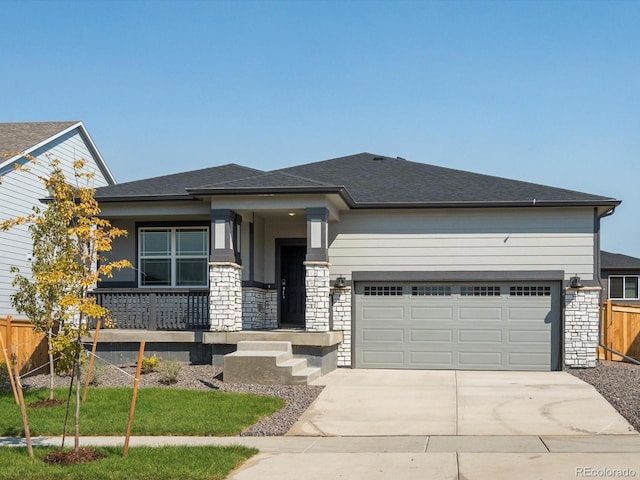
x: 383, y: 290
x: 479, y: 291
x: 530, y: 291
x: 431, y: 291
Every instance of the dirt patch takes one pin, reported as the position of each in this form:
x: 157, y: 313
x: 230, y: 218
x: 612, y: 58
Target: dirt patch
x: 46, y: 403
x: 73, y: 457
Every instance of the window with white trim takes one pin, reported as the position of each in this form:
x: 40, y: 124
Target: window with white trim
x: 383, y: 290
x: 431, y: 290
x: 479, y: 291
x: 623, y: 287
x: 173, y: 257
x: 530, y: 291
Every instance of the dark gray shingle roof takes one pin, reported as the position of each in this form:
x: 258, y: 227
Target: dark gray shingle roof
x: 364, y: 180
x: 174, y: 185
x: 617, y: 261
x: 19, y: 137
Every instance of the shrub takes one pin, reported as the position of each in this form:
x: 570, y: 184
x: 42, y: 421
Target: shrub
x: 169, y: 371
x: 4, y: 374
x: 149, y: 364
x: 98, y: 373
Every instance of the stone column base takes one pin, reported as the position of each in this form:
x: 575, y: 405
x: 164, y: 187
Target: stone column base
x: 225, y: 303
x: 581, y: 326
x: 316, y: 312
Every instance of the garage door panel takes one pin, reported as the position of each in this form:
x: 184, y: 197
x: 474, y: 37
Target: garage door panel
x: 497, y: 326
x: 432, y: 359
x: 479, y: 360
x: 432, y: 336
x: 392, y: 358
x: 383, y: 313
x: 383, y: 335
x: 530, y: 337
x: 477, y: 313
x: 429, y: 314
x: 480, y: 336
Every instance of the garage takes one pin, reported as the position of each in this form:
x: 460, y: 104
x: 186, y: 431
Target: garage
x: 458, y: 325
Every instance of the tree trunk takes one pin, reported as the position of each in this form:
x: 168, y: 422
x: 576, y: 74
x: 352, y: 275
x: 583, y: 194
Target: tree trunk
x: 77, y: 415
x: 51, y: 367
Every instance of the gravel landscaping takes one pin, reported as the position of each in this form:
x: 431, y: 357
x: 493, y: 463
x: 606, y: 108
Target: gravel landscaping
x: 618, y: 382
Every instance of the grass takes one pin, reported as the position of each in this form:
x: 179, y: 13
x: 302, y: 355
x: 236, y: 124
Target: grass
x: 159, y: 411
x: 163, y: 463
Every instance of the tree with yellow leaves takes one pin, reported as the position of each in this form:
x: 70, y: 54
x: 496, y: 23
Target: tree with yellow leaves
x: 69, y: 238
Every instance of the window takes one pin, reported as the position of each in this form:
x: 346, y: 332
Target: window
x: 623, y: 287
x: 383, y: 291
x: 480, y: 291
x: 530, y: 291
x: 431, y: 291
x: 173, y: 257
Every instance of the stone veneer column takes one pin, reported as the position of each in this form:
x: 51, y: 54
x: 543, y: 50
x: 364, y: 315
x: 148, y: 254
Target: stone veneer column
x: 316, y: 313
x: 581, y: 326
x: 341, y: 312
x: 225, y: 297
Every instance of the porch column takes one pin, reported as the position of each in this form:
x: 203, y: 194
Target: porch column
x: 317, y: 304
x: 581, y: 323
x: 225, y: 273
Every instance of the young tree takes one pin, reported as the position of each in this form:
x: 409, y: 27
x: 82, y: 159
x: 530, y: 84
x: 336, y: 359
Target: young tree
x: 68, y: 241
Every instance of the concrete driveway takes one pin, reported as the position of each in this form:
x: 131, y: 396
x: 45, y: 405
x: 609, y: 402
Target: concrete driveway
x: 428, y: 402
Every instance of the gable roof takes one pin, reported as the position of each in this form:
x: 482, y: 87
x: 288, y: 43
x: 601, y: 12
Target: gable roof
x: 618, y: 261
x: 17, y: 139
x: 366, y: 180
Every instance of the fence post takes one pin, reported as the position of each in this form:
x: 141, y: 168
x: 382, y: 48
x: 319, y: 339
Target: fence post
x: 153, y: 319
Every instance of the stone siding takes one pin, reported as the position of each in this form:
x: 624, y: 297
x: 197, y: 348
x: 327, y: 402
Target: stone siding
x: 317, y: 296
x: 225, y: 296
x: 581, y: 326
x: 341, y: 314
x: 259, y: 309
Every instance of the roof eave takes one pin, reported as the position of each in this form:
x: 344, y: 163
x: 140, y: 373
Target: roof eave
x: 145, y: 198
x: 506, y: 204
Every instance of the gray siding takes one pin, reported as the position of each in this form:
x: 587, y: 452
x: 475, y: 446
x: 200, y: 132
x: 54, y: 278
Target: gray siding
x: 472, y: 240
x: 123, y: 248
x: 19, y: 193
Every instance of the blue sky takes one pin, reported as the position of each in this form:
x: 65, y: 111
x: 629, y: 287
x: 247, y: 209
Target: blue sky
x: 547, y: 92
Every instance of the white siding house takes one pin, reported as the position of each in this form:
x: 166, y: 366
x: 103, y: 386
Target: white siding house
x: 21, y: 191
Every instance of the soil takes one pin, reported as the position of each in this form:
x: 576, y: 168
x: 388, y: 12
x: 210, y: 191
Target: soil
x: 73, y: 457
x: 46, y: 403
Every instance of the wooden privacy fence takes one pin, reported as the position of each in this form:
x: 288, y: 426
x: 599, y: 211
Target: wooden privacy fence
x: 29, y: 347
x: 620, y: 331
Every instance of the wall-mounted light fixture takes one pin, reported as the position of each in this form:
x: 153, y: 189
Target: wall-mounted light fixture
x: 574, y: 282
x: 340, y: 282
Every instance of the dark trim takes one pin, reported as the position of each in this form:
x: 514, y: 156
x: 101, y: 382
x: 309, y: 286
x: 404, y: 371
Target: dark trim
x: 252, y: 260
x: 459, y: 276
x: 115, y: 284
x: 596, y: 245
x: 484, y: 204
x: 146, y: 198
x: 254, y: 284
x: 318, y: 254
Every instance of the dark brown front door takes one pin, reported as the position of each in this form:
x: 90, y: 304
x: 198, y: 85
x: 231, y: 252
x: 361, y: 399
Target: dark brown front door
x: 292, y: 288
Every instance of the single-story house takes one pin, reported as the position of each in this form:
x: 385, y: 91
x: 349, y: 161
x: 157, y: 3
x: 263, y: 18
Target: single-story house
x: 363, y: 261
x: 620, y: 276
x: 20, y: 192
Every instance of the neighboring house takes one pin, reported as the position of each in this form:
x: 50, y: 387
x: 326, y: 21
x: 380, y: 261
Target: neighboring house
x: 20, y: 192
x: 620, y: 278
x: 365, y: 261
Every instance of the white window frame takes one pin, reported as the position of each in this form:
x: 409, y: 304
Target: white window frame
x: 624, y: 290
x: 173, y: 256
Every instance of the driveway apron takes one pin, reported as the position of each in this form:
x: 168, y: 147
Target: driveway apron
x: 445, y: 402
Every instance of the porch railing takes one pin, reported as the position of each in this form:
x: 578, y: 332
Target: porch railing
x: 156, y: 310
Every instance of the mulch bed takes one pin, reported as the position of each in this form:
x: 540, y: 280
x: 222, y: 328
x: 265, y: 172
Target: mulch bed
x: 73, y: 457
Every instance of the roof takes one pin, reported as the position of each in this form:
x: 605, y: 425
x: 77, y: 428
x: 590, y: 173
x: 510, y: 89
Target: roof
x: 17, y: 139
x: 618, y: 261
x: 367, y: 180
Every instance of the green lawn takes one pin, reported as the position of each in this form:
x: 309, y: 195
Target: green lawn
x: 166, y: 463
x: 159, y: 411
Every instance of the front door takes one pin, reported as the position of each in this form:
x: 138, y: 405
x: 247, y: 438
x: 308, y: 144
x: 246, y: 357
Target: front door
x: 292, y: 287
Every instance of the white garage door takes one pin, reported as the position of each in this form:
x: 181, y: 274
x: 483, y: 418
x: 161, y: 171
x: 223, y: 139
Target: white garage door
x: 467, y: 326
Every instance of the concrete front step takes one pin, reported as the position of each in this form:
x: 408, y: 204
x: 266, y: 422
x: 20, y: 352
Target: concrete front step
x: 267, y: 363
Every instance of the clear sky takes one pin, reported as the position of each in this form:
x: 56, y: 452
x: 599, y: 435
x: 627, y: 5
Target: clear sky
x: 546, y: 92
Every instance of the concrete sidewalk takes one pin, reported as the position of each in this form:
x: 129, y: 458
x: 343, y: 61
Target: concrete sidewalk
x: 413, y: 457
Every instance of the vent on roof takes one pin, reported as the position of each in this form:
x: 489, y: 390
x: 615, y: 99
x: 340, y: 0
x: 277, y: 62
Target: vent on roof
x: 400, y: 158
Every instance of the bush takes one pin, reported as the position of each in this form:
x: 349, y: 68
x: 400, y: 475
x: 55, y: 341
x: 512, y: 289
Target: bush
x: 169, y: 371
x: 97, y: 373
x: 4, y: 374
x: 149, y: 364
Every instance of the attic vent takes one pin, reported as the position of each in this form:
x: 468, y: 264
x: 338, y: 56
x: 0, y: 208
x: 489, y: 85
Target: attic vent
x: 377, y: 159
x: 400, y: 158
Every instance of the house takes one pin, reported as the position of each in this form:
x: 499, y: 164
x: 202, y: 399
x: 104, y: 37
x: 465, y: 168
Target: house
x: 363, y: 261
x: 620, y: 275
x: 20, y: 192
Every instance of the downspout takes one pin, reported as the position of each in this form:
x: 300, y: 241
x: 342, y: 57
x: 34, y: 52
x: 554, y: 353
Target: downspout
x: 598, y: 276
